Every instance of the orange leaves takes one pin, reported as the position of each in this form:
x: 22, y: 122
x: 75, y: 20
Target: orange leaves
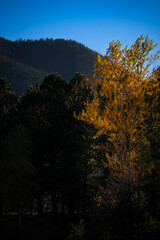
x: 119, y: 85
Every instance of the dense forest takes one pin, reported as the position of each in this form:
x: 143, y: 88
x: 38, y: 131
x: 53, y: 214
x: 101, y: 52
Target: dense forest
x: 24, y: 62
x: 80, y: 159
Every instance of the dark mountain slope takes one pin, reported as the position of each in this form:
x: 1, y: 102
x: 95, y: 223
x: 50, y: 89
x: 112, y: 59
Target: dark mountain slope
x: 62, y: 56
x: 19, y: 75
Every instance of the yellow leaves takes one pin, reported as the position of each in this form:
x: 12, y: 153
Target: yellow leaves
x: 120, y: 84
x: 99, y: 59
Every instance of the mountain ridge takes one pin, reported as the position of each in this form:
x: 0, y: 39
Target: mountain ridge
x: 35, y: 58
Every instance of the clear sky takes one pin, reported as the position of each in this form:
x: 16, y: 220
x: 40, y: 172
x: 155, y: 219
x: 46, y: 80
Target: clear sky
x: 92, y: 23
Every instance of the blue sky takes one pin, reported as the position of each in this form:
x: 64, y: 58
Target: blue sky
x: 93, y: 23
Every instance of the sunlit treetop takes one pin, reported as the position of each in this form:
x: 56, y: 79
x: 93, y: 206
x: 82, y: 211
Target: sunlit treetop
x: 120, y: 83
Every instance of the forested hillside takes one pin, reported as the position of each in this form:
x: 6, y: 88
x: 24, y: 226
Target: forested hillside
x: 19, y: 74
x: 26, y: 62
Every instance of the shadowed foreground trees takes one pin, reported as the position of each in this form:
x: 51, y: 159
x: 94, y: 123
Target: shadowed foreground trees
x: 7, y: 102
x: 19, y: 185
x: 42, y: 109
x: 59, y: 142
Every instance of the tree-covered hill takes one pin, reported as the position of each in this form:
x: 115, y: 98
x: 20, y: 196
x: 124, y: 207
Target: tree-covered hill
x: 24, y: 62
x: 19, y: 74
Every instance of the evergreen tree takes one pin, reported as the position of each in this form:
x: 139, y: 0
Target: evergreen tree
x: 7, y: 102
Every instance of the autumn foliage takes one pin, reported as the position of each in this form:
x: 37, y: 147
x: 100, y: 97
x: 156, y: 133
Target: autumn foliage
x: 121, y: 82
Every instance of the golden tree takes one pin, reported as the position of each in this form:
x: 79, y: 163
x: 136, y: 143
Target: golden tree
x: 120, y: 83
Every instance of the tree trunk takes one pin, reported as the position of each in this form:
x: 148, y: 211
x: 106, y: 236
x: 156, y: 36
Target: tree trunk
x: 40, y: 205
x: 20, y: 222
x: 1, y: 212
x: 84, y: 198
x: 72, y: 199
x: 63, y: 198
x: 130, y: 212
x: 53, y: 190
x: 54, y: 205
x: 153, y: 194
x: 62, y: 209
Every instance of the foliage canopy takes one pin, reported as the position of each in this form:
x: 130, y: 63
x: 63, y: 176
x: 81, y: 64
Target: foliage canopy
x: 120, y: 84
